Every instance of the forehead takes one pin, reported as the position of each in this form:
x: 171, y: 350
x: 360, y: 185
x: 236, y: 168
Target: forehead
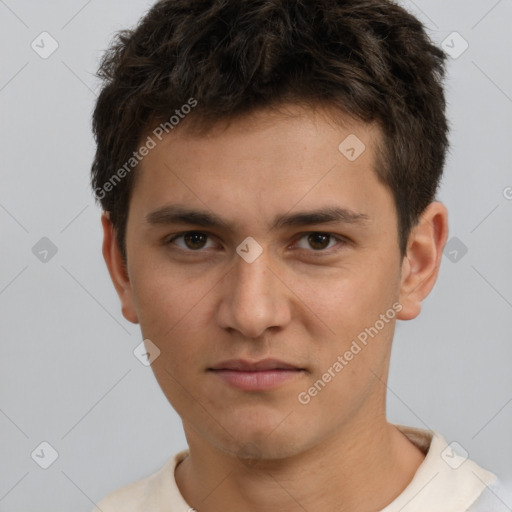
x: 279, y: 133
x: 265, y: 163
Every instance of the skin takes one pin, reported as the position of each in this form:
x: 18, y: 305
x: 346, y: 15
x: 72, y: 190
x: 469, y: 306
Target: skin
x: 302, y: 301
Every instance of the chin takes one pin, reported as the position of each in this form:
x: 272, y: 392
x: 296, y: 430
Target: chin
x: 251, y: 446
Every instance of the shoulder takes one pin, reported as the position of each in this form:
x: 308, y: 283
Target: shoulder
x: 447, y: 477
x: 494, y: 499
x: 145, y: 494
x: 130, y: 498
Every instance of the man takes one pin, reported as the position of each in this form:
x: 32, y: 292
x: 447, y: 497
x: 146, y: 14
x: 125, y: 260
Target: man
x: 267, y: 171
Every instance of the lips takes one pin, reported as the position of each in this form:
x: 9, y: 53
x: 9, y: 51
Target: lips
x: 257, y: 366
x: 256, y: 375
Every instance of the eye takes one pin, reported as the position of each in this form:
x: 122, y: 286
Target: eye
x: 319, y: 241
x: 193, y: 240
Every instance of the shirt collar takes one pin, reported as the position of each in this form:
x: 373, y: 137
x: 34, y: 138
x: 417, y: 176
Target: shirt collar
x: 445, y: 480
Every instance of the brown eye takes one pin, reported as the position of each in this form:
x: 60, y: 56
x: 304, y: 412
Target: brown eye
x: 191, y: 241
x: 195, y: 240
x: 318, y: 241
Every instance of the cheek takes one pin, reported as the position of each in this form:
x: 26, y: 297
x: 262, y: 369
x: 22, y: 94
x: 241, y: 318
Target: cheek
x: 350, y: 305
x: 171, y: 311
x: 351, y: 301
x: 163, y: 295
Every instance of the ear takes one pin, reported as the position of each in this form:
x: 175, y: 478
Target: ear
x: 420, y: 266
x: 117, y: 269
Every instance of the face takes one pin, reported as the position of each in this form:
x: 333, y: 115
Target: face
x: 264, y: 265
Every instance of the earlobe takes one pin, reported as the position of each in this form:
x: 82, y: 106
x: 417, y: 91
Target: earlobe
x: 420, y: 266
x: 117, y: 270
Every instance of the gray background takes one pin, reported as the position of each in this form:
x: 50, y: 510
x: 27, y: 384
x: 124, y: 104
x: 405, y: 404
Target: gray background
x: 67, y: 372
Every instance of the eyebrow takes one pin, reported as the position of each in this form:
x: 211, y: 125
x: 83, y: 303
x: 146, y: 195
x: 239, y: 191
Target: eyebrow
x: 176, y: 214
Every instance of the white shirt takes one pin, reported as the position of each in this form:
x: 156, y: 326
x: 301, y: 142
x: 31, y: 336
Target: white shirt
x: 444, y: 482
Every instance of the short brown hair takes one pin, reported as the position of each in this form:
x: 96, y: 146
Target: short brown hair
x: 370, y: 59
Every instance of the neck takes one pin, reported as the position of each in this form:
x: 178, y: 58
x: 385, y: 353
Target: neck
x: 363, y: 468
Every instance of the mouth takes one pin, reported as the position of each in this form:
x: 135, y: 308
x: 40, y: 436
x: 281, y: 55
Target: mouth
x: 256, y: 366
x: 258, y: 375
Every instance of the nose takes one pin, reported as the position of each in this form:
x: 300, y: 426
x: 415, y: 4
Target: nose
x: 253, y: 298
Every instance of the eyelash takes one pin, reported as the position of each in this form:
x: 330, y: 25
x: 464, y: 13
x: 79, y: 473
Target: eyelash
x: 319, y: 252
